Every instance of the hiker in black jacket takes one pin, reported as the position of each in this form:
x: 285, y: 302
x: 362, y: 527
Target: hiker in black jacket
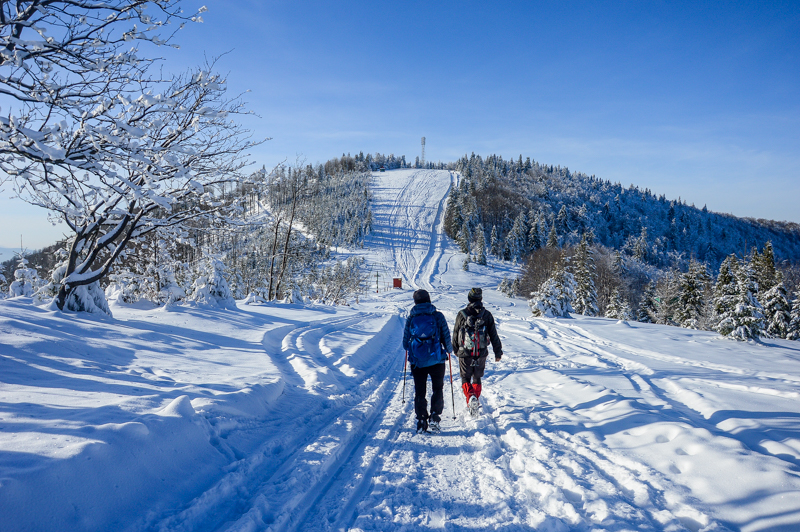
x: 426, y: 340
x: 472, y: 332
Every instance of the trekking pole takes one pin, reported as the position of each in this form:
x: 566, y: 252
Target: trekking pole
x: 452, y: 395
x: 404, y: 378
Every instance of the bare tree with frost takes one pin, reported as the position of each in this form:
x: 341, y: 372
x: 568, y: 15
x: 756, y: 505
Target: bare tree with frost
x: 101, y: 141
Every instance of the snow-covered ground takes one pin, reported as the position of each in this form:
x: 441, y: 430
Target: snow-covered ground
x: 291, y: 417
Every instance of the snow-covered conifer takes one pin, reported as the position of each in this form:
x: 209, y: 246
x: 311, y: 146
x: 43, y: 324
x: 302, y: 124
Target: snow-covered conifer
x: 794, y: 322
x: 766, y: 275
x: 725, y: 292
x: 777, y: 311
x: 554, y: 298
x: 640, y: 248
x: 534, y: 238
x: 465, y: 264
x: 562, y: 221
x: 480, y: 244
x: 26, y: 280
x: 692, y: 299
x: 505, y: 286
x: 494, y: 243
x: 584, y: 271
x: 742, y: 316
x: 648, y: 306
x: 464, y: 237
x: 552, y: 238
x: 515, y: 286
x: 618, y: 308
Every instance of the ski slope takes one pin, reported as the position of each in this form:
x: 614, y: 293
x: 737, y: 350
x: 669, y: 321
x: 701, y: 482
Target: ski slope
x: 295, y: 417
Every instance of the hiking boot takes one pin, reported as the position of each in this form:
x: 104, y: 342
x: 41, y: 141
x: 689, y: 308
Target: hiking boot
x: 422, y: 425
x: 434, y: 426
x: 474, y: 406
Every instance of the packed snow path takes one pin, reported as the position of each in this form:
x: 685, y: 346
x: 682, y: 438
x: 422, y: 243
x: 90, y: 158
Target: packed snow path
x: 291, y: 417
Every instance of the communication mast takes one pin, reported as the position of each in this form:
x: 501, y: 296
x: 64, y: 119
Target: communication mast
x: 423, y: 152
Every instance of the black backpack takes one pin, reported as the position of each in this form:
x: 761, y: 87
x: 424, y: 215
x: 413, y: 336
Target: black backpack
x: 472, y: 335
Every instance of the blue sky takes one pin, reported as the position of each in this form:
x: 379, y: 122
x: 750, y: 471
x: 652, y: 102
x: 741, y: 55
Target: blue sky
x: 690, y: 99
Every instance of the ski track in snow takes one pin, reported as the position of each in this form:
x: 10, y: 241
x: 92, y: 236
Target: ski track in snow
x: 587, y: 424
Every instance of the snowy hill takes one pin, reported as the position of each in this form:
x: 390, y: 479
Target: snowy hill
x: 294, y: 417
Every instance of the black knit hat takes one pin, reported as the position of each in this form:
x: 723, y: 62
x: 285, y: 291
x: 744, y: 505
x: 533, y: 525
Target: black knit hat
x: 421, y: 296
x: 476, y: 294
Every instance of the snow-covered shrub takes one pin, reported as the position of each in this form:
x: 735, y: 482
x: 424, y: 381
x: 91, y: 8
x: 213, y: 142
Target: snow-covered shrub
x: 125, y: 287
x: 87, y: 298
x: 554, y: 298
x: 210, y: 286
x: 254, y: 298
x: 26, y: 280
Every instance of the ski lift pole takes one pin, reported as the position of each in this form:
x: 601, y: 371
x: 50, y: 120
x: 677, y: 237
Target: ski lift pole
x: 452, y: 394
x: 404, y: 378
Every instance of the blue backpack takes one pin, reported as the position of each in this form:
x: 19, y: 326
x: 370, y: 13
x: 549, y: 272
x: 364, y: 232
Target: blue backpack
x: 425, y: 347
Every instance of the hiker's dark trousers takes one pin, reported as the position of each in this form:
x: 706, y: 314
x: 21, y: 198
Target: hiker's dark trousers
x: 471, y: 368
x: 420, y: 375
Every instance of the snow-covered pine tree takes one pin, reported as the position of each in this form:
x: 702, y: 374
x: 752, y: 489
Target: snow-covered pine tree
x: 746, y: 320
x: 519, y: 235
x: 584, y: 271
x: 505, y: 286
x: 465, y: 264
x: 464, y: 237
x: 562, y: 221
x: 766, y: 275
x: 480, y: 244
x: 494, y: 243
x: 618, y: 309
x: 648, y: 306
x: 554, y: 297
x: 515, y: 287
x: 692, y: 298
x: 725, y: 292
x: 640, y: 248
x: 534, y: 238
x: 794, y: 322
x: 777, y: 311
x: 552, y: 238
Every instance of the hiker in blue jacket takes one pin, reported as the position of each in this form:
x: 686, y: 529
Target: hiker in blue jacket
x: 426, y: 339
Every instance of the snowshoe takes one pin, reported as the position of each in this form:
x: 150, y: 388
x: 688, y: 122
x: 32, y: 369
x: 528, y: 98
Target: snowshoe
x: 433, y: 426
x: 474, y: 406
x: 422, y: 426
